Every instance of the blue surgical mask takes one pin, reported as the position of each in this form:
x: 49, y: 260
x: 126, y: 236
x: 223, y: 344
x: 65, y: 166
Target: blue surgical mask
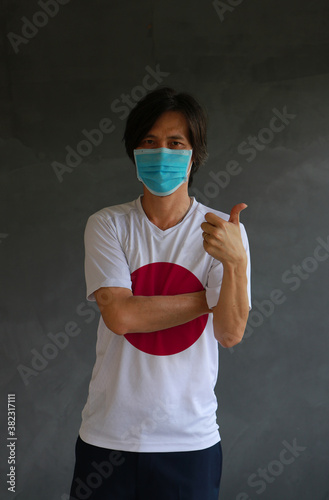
x: 162, y: 170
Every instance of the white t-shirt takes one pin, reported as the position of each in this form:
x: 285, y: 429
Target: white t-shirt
x: 153, y: 392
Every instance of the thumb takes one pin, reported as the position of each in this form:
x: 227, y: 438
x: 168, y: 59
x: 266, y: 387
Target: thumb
x: 235, y: 212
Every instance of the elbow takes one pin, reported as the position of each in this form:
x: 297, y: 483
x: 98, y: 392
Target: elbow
x: 115, y: 323
x: 113, y: 304
x: 229, y: 343
x: 230, y: 333
x: 118, y: 329
x: 228, y: 339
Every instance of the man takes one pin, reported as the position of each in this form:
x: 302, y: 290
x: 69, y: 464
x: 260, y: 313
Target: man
x: 171, y: 279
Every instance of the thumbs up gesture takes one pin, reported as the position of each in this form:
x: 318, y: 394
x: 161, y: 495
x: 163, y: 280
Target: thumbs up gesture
x: 222, y: 239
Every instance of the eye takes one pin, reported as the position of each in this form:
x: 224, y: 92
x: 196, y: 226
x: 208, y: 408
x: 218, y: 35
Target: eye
x: 146, y: 143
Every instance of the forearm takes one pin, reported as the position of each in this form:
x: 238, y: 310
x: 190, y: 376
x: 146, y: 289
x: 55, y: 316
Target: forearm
x: 132, y: 314
x: 230, y: 315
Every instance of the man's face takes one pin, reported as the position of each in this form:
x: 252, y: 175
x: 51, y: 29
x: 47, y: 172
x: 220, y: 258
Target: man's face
x: 169, y: 131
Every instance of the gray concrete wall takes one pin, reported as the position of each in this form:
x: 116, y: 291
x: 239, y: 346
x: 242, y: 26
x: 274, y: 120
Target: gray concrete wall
x: 261, y: 70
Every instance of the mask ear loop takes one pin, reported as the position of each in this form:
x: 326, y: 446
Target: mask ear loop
x: 190, y: 168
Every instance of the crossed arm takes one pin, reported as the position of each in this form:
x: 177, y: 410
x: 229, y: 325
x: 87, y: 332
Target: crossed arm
x: 124, y: 312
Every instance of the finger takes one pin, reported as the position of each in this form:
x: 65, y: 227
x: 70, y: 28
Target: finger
x: 213, y: 219
x: 207, y: 227
x: 207, y: 237
x: 235, y: 212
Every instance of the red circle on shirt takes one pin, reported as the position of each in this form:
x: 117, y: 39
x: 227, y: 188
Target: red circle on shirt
x: 165, y: 278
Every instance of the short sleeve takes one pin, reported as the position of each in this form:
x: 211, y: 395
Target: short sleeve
x: 105, y: 262
x: 215, y: 276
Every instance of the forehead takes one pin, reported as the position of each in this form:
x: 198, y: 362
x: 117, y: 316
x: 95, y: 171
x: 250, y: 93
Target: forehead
x: 170, y: 123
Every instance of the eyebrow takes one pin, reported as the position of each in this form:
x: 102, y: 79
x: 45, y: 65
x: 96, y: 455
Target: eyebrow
x: 181, y: 137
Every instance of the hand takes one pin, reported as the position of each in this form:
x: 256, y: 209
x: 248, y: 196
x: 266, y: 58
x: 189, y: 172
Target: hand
x: 222, y: 239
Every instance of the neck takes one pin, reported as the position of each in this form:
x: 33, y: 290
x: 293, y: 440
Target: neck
x: 166, y: 211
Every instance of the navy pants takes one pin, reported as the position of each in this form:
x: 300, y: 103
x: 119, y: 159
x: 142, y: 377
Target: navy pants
x: 102, y: 474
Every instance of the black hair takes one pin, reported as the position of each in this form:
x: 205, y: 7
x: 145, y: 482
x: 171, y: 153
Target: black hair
x: 144, y: 115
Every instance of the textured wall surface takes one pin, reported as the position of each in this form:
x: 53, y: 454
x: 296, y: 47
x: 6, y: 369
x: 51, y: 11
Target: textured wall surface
x: 70, y: 72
